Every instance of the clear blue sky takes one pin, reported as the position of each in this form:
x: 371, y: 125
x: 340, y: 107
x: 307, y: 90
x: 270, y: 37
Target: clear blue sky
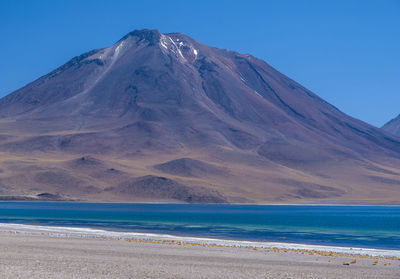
x: 348, y: 52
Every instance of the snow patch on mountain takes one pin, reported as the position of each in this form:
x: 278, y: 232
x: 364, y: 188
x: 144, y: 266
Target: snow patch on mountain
x: 181, y: 49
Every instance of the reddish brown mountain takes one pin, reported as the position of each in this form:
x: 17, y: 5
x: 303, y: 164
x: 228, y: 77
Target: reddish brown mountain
x: 163, y: 117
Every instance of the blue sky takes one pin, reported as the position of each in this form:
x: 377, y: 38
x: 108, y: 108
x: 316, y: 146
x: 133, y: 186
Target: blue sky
x: 348, y: 52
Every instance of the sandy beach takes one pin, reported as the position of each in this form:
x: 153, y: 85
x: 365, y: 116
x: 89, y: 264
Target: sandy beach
x: 48, y: 253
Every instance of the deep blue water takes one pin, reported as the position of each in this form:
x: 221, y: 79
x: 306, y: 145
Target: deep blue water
x: 355, y: 226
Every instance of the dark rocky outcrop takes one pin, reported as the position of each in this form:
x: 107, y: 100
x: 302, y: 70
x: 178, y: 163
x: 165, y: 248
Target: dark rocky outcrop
x: 190, y: 168
x: 157, y: 187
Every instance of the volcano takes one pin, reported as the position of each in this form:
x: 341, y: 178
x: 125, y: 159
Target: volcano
x: 162, y: 117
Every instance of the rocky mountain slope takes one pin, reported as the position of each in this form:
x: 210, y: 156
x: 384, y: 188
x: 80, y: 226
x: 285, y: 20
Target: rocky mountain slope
x: 393, y: 126
x: 164, y: 117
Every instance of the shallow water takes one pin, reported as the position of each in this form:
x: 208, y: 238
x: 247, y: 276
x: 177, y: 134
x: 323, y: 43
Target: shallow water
x: 354, y: 226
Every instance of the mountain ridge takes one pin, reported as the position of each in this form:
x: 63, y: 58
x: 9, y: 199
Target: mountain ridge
x: 393, y: 126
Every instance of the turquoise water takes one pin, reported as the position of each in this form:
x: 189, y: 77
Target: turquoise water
x: 354, y: 226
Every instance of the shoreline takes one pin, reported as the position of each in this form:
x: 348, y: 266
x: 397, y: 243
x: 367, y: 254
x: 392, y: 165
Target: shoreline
x: 361, y: 203
x: 36, y: 252
x: 89, y: 233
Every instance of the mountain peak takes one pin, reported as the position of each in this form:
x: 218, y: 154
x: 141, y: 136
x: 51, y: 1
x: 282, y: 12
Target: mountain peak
x: 150, y: 35
x: 176, y: 44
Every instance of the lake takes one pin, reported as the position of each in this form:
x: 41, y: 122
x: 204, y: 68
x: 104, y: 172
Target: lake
x: 352, y: 226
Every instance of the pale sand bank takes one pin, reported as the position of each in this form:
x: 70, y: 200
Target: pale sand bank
x: 27, y: 252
